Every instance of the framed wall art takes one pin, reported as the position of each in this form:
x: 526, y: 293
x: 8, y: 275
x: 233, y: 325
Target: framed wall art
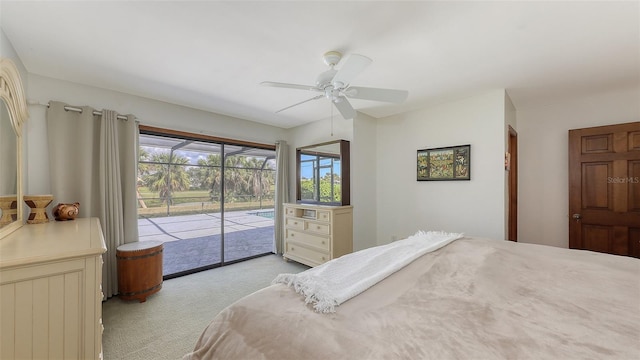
x: 446, y: 163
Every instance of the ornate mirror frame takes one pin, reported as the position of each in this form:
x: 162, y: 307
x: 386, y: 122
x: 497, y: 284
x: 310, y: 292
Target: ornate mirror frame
x: 12, y: 93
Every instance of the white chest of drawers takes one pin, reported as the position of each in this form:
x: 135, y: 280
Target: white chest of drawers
x: 315, y: 234
x: 50, y: 293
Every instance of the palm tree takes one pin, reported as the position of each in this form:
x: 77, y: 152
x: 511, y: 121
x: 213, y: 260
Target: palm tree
x: 235, y: 180
x: 210, y: 174
x: 143, y: 171
x: 242, y: 176
x: 167, y: 175
x: 260, y: 179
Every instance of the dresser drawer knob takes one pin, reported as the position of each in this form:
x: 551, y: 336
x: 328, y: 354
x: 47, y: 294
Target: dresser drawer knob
x: 318, y: 227
x: 322, y: 242
x: 293, y: 234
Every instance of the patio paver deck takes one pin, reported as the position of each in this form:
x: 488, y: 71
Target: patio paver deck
x: 192, y: 241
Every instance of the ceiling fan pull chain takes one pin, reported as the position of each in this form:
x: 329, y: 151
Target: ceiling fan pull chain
x: 331, y: 106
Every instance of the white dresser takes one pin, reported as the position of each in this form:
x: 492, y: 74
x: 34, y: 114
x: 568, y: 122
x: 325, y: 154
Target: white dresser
x: 50, y: 292
x: 315, y: 234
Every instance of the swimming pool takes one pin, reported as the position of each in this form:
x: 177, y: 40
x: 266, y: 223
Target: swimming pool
x: 269, y: 214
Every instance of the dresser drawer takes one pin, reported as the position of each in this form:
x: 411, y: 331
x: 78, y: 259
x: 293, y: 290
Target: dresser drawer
x: 323, y: 216
x: 294, y: 223
x: 290, y: 211
x: 318, y: 228
x: 312, y: 255
x: 308, y: 239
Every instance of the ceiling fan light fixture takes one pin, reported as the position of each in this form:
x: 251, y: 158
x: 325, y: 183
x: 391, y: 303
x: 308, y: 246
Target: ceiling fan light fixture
x: 331, y: 58
x: 338, y: 85
x: 325, y: 77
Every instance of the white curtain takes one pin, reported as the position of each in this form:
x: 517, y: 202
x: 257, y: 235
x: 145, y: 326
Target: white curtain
x: 282, y: 193
x: 93, y: 161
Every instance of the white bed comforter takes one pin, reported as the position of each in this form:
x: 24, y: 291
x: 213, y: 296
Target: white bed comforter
x: 334, y: 282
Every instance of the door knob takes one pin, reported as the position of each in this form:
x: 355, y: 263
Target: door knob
x: 577, y: 217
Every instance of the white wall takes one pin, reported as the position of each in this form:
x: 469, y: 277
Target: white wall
x: 543, y: 194
x: 7, y: 51
x: 475, y: 207
x: 149, y: 112
x: 364, y: 181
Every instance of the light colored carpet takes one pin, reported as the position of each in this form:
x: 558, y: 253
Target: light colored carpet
x: 168, y: 324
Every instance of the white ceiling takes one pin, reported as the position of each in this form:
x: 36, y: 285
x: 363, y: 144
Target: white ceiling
x: 213, y: 55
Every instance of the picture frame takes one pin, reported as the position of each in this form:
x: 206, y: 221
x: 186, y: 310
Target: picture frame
x: 444, y: 163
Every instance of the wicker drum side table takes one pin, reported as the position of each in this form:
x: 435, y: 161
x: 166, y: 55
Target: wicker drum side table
x: 139, y: 269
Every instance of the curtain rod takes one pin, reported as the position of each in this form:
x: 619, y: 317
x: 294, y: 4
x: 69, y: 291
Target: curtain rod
x: 76, y: 109
x: 95, y: 112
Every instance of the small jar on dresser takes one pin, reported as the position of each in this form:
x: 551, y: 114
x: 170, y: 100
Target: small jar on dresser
x: 315, y: 234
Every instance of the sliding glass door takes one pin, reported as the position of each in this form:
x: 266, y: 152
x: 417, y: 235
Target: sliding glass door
x: 207, y: 201
x: 249, y: 192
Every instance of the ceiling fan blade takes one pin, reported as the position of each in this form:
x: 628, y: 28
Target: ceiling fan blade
x: 290, y: 86
x: 354, y: 65
x: 345, y: 108
x: 367, y: 93
x: 301, y: 102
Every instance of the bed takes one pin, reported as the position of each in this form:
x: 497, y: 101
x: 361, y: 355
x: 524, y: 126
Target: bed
x: 473, y: 298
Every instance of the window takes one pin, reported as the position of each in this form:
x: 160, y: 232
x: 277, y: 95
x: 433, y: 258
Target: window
x: 209, y: 200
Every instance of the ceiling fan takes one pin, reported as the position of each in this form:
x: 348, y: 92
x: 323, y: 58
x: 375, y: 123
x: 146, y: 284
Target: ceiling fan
x: 335, y: 85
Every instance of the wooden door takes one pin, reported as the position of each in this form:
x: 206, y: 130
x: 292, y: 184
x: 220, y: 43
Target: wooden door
x: 512, y: 167
x: 604, y: 189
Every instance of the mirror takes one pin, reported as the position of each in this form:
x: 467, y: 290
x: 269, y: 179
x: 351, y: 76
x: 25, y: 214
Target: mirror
x: 322, y: 173
x: 8, y: 169
x: 13, y: 112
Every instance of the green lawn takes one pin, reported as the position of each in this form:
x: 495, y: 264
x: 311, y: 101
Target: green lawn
x: 193, y: 202
x: 180, y: 197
